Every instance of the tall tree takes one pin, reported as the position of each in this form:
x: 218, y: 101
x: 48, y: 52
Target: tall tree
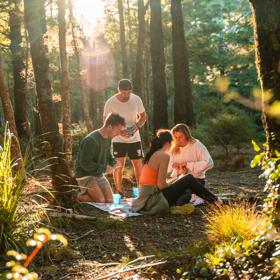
x: 267, y: 42
x: 183, y: 105
x: 138, y: 81
x: 34, y: 11
x: 9, y: 116
x: 160, y: 117
x: 122, y: 40
x: 64, y: 82
x: 18, y: 62
x: 267, y: 46
x: 84, y: 102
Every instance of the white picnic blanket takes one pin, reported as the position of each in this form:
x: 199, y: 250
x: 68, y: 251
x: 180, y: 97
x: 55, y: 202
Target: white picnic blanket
x: 122, y: 210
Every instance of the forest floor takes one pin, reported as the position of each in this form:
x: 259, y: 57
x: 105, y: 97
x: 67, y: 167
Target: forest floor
x: 109, y: 244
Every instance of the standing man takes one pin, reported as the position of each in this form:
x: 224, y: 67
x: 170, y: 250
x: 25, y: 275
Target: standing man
x: 128, y: 143
x: 95, y: 159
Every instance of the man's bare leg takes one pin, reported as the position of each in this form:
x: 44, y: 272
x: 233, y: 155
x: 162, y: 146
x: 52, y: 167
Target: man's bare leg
x: 137, y: 165
x: 92, y: 194
x: 118, y: 173
x: 108, y: 195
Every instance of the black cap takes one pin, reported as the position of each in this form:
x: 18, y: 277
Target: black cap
x: 125, y: 84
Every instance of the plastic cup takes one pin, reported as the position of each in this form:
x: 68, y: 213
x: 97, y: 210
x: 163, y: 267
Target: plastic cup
x: 117, y: 198
x: 135, y: 192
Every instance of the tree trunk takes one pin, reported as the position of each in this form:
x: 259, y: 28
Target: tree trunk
x: 267, y: 42
x: 123, y: 41
x: 36, y: 27
x: 85, y: 109
x: 64, y: 82
x: 18, y: 62
x: 183, y: 106
x: 138, y: 82
x: 160, y: 116
x: 9, y: 116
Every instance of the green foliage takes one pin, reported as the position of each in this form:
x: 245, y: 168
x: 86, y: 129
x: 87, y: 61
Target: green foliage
x: 271, y: 172
x: 249, y: 259
x: 246, y: 244
x: 232, y: 126
x: 11, y: 193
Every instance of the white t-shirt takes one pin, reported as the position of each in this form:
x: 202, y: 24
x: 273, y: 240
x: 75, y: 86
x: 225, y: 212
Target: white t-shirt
x: 129, y: 111
x: 197, y: 157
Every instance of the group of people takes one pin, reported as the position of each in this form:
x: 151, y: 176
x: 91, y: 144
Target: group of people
x: 175, y: 152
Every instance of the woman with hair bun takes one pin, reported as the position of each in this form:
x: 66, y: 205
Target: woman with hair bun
x: 156, y: 195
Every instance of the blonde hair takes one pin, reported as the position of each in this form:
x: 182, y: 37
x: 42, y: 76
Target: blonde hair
x: 181, y: 127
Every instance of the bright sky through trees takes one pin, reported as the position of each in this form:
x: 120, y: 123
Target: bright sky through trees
x: 89, y: 13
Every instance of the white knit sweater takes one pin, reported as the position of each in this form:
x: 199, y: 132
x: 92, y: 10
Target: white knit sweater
x: 197, y: 158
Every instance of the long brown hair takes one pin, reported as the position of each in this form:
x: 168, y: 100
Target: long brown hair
x: 181, y: 127
x: 162, y: 136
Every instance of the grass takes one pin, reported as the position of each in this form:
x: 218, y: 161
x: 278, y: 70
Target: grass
x: 11, y: 192
x: 238, y: 221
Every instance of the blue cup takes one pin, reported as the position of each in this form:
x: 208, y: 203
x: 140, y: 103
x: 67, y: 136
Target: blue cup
x: 117, y: 198
x: 135, y: 192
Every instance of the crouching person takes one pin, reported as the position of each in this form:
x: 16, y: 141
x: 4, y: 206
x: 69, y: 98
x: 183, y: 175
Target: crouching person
x: 95, y: 160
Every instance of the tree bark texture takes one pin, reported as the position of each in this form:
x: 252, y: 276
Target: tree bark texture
x: 123, y: 41
x: 139, y: 68
x: 183, y: 105
x: 36, y: 27
x: 267, y: 48
x: 9, y: 116
x: 267, y: 42
x: 18, y: 63
x: 64, y: 82
x: 160, y: 116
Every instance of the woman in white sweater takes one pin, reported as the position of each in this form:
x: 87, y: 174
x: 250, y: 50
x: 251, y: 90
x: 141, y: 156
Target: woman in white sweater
x: 189, y: 157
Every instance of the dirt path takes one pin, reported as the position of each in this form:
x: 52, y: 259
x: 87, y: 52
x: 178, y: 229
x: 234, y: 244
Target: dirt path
x: 107, y: 244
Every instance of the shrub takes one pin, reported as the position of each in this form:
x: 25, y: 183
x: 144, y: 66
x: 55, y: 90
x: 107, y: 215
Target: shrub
x: 230, y: 127
x: 239, y: 221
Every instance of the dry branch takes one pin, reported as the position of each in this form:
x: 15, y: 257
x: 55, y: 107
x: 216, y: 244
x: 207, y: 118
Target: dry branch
x: 71, y: 216
x: 124, y: 269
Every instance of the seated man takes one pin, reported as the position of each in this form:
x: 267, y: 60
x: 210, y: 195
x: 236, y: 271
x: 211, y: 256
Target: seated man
x: 188, y: 156
x: 95, y: 159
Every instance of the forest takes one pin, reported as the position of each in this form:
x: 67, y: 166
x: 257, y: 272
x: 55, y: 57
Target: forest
x: 213, y: 65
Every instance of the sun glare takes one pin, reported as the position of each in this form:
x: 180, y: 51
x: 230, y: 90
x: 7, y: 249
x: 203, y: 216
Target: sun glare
x: 89, y: 13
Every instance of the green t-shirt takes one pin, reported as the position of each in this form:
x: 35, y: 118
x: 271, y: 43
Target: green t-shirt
x: 94, y: 155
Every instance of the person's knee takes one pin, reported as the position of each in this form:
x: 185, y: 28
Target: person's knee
x: 119, y: 164
x: 100, y: 200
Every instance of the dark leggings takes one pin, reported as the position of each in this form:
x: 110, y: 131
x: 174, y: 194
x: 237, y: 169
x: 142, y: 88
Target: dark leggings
x: 175, y: 190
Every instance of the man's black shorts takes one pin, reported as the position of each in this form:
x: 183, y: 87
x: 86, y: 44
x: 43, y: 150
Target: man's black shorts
x: 132, y: 150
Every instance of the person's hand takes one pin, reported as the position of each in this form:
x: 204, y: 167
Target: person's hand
x: 184, y: 164
x: 125, y: 133
x: 175, y: 165
x: 135, y: 128
x: 182, y: 169
x: 109, y: 170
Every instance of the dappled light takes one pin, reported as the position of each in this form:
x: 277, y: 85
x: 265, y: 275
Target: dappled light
x: 90, y: 14
x: 97, y: 63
